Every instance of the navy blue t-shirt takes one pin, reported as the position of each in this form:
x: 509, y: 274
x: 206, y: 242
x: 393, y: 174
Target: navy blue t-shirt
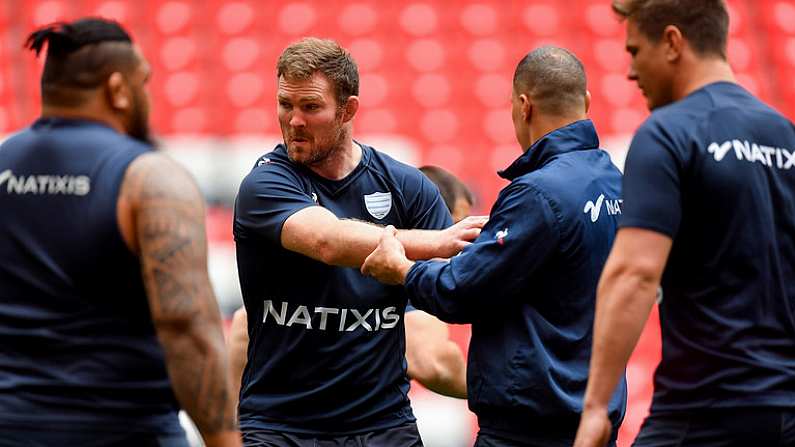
x: 716, y: 172
x: 78, y: 351
x: 327, y: 345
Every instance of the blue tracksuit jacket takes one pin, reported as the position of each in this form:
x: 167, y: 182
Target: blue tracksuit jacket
x: 528, y: 286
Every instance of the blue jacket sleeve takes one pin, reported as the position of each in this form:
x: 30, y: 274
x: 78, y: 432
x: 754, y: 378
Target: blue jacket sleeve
x: 521, y: 234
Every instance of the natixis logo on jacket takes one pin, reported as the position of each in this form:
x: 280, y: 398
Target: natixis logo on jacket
x: 612, y: 206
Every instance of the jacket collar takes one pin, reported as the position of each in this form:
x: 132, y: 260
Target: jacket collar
x: 579, y: 135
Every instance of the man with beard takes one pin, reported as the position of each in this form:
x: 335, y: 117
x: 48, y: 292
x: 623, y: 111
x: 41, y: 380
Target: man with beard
x: 326, y: 352
x: 108, y: 322
x: 432, y: 358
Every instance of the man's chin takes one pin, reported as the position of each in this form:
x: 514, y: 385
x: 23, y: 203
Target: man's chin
x: 300, y: 156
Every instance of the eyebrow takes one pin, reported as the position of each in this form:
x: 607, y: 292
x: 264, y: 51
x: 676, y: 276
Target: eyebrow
x: 307, y: 98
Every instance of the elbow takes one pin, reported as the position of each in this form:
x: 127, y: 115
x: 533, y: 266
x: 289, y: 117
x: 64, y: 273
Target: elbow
x: 427, y: 371
x: 626, y: 282
x: 193, y: 333
x: 443, y: 371
x: 327, y: 251
x: 636, y: 272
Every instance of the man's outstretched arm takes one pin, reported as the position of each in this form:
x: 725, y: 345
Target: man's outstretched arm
x: 164, y: 212
x: 626, y: 293
x: 317, y: 233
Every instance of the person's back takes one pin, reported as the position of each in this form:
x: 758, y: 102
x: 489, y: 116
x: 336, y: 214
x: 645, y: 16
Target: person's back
x: 79, y: 349
x: 707, y: 229
x: 545, y: 323
x: 528, y: 283
x: 729, y: 332
x: 107, y: 317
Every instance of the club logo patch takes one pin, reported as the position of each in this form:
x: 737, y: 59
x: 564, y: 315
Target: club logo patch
x: 378, y: 204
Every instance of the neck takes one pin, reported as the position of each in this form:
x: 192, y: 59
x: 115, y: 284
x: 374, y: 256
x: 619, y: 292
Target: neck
x: 543, y: 125
x: 700, y: 72
x: 83, y: 112
x: 340, y: 162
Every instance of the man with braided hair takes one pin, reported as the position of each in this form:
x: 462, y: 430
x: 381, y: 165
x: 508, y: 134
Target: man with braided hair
x: 108, y: 322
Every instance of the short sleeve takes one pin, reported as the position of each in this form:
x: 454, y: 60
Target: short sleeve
x: 429, y: 212
x: 651, y: 184
x: 269, y: 195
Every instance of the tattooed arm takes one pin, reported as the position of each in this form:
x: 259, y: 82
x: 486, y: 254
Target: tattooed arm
x: 161, y: 215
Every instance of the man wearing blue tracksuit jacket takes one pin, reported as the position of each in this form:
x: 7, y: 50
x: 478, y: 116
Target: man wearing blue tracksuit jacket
x: 528, y: 283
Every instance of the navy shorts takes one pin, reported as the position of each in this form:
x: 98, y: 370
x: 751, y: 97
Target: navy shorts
x: 489, y: 440
x: 730, y: 427
x: 49, y: 438
x: 405, y: 435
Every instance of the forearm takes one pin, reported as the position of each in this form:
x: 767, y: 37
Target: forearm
x: 237, y: 363
x: 623, y: 306
x: 196, y: 362
x: 433, y: 359
x: 447, y: 373
x: 237, y: 346
x: 419, y: 244
x: 349, y: 242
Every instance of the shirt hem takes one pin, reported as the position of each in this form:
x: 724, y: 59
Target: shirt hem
x: 252, y: 426
x: 774, y: 402
x: 169, y: 425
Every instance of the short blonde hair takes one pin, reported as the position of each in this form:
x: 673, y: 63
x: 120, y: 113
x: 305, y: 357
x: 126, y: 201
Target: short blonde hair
x: 302, y: 59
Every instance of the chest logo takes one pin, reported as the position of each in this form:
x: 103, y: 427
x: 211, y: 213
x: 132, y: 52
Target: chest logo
x: 378, y: 204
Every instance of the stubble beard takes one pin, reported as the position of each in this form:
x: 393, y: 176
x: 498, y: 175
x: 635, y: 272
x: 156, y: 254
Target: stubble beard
x: 320, y: 156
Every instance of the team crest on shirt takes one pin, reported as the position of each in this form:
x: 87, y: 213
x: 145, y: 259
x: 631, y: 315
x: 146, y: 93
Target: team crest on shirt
x: 378, y: 204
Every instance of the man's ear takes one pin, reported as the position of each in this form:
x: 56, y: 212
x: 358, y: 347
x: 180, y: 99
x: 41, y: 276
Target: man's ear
x: 674, y: 43
x: 118, y: 91
x: 526, y: 107
x: 350, y: 109
x: 587, y: 100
